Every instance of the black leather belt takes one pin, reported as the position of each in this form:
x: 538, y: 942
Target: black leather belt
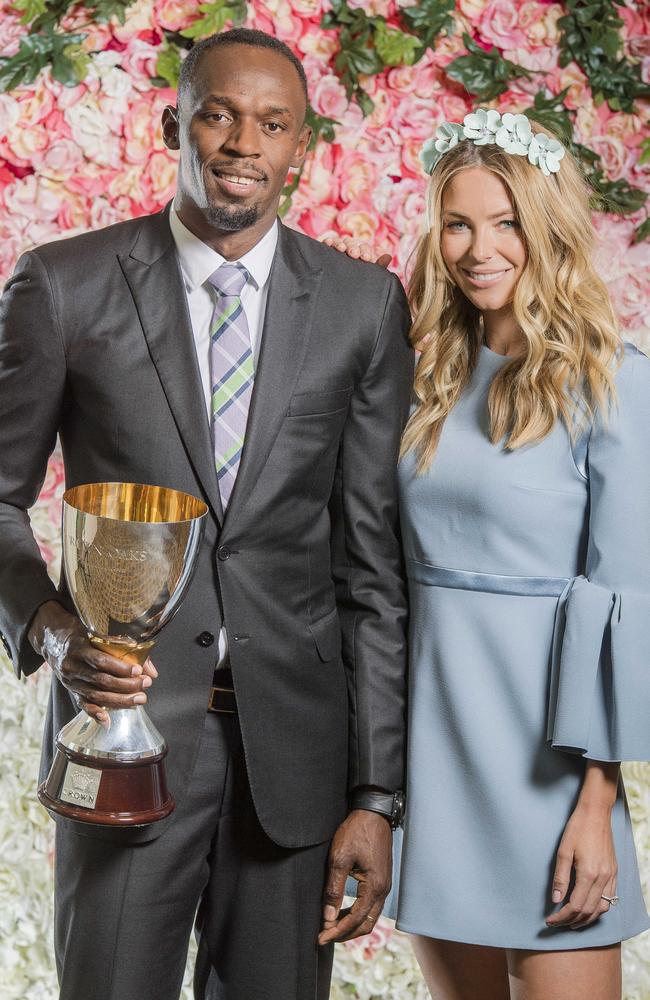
x: 222, y: 693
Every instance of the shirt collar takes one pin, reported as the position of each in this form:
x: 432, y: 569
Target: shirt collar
x: 199, y: 261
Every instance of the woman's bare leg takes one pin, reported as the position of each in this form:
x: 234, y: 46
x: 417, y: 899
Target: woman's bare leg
x: 584, y: 974
x: 455, y: 971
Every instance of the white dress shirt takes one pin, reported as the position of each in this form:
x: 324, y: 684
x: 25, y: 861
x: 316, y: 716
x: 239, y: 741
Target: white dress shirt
x: 198, y: 261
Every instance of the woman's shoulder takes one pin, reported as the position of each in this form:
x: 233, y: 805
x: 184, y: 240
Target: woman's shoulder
x: 633, y: 361
x: 629, y: 412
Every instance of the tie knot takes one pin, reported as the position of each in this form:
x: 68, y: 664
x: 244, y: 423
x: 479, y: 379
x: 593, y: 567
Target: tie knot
x: 229, y: 279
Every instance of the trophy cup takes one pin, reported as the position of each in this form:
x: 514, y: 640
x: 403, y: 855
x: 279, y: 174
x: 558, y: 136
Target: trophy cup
x: 128, y: 553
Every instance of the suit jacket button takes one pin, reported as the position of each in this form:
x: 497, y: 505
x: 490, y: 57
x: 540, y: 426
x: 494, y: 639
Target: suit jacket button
x: 224, y: 552
x: 205, y: 639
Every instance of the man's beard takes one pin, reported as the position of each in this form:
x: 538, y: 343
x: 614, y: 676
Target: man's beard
x: 231, y: 219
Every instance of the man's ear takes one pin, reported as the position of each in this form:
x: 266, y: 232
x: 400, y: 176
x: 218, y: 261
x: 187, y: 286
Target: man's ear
x: 170, y: 127
x: 302, y: 147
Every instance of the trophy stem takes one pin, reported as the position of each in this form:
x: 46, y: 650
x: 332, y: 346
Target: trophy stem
x: 101, y: 770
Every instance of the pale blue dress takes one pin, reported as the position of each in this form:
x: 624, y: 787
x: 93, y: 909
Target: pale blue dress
x: 529, y: 583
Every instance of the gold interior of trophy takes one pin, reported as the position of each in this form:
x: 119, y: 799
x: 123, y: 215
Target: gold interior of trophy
x: 135, y: 502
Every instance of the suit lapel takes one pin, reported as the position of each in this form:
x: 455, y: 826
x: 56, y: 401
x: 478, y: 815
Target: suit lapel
x: 293, y: 285
x: 154, y: 278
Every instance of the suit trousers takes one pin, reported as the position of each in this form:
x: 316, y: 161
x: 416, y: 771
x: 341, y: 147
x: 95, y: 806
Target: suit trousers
x: 124, y: 913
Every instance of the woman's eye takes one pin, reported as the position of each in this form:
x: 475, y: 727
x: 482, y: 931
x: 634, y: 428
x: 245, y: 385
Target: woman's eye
x: 509, y: 223
x: 456, y: 225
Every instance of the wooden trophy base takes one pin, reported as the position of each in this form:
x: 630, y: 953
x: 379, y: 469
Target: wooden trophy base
x: 106, y: 792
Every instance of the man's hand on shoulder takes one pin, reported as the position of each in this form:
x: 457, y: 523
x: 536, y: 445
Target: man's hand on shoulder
x: 359, y: 250
x: 97, y: 680
x: 362, y: 847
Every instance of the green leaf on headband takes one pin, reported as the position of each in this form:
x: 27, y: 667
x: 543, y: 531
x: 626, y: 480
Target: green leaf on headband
x: 216, y: 16
x: 484, y: 73
x: 168, y: 66
x: 30, y: 9
x: 395, y: 47
x: 429, y: 19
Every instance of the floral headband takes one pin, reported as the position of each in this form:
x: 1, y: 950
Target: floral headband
x: 511, y: 132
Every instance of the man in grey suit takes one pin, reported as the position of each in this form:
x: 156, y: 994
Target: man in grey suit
x: 280, y: 682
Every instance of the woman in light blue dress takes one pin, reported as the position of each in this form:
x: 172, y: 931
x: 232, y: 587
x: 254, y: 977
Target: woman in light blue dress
x: 525, y: 504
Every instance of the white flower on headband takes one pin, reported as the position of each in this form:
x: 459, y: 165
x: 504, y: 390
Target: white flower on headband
x: 446, y: 136
x: 481, y: 126
x: 514, y: 134
x: 545, y: 153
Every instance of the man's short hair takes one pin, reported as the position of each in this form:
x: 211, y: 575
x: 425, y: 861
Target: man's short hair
x: 237, y: 36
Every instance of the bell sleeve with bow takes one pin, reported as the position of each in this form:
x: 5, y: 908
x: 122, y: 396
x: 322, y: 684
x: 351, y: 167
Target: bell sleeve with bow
x: 600, y: 677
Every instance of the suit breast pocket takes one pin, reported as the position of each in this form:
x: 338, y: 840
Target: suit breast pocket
x: 306, y: 404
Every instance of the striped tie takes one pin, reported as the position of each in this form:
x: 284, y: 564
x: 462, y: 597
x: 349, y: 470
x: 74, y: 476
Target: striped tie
x: 231, y: 374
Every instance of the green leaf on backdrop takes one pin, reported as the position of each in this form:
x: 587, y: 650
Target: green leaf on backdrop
x: 429, y: 19
x: 642, y: 231
x: 590, y: 34
x: 320, y: 125
x: 484, y: 73
x: 29, y: 9
x: 60, y: 51
x: 645, y: 151
x: 168, y: 66
x: 549, y: 112
x: 395, y: 47
x: 614, y: 196
x: 104, y: 10
x: 215, y: 17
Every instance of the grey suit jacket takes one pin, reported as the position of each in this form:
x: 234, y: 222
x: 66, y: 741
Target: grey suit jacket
x: 96, y: 345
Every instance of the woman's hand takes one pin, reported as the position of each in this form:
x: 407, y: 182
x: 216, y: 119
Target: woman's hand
x: 588, y: 846
x: 359, y: 250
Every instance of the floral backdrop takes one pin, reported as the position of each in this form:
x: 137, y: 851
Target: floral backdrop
x: 82, y: 87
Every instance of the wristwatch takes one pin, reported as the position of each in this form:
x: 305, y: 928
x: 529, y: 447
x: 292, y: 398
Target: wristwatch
x: 392, y: 806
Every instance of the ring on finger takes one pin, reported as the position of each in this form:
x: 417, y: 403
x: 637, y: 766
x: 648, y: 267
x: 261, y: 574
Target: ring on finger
x: 612, y: 900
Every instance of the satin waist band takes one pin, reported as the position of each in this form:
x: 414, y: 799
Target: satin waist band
x: 489, y: 583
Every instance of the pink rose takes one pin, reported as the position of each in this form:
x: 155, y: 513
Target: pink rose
x: 358, y: 175
x: 542, y: 59
x: 318, y: 43
x: 315, y: 221
x: 616, y: 158
x: 173, y: 15
x: 53, y: 486
x: 73, y: 212
x: 328, y: 97
x: 499, y: 24
x: 407, y: 205
x: 472, y: 9
x: 24, y: 143
x: 11, y: 31
x: 59, y: 160
x: 162, y: 169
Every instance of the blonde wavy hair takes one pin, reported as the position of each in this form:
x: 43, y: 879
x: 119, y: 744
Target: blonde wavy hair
x: 562, y: 307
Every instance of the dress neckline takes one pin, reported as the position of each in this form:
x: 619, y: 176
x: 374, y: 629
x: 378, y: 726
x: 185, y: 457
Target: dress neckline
x: 492, y: 356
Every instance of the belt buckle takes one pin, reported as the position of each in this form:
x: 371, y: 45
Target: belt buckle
x: 222, y: 700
